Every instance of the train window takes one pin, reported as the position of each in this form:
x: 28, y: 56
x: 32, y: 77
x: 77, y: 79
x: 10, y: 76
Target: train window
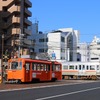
x: 76, y: 67
x: 83, y: 67
x: 71, y: 67
x: 79, y: 67
x: 92, y: 67
x: 65, y: 67
x: 97, y: 67
x: 87, y: 67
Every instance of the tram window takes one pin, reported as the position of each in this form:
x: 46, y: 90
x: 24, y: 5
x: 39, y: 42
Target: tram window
x: 71, y: 67
x: 20, y: 65
x: 42, y: 67
x: 57, y: 67
x: 48, y: 67
x: 65, y: 67
x: 14, y: 65
x: 38, y: 67
x: 45, y: 67
x: 53, y: 67
x: 34, y: 66
x: 27, y: 66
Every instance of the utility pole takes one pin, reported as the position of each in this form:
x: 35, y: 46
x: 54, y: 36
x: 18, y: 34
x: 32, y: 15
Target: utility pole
x: 20, y: 43
x: 2, y: 69
x: 21, y: 25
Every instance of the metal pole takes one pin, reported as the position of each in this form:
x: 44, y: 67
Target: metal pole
x: 19, y: 44
x: 2, y: 58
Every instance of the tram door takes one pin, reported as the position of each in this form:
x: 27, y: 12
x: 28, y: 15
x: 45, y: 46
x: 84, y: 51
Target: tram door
x: 27, y: 71
x: 81, y: 70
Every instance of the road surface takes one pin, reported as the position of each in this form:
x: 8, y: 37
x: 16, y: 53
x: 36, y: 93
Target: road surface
x: 74, y: 91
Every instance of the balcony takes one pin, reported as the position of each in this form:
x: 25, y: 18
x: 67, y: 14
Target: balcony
x: 6, y: 2
x: 10, y: 22
x: 29, y: 23
x: 28, y: 3
x: 23, y: 43
x: 28, y: 42
x: 15, y: 42
x: 28, y: 13
x: 15, y: 30
x: 16, y: 19
x: 27, y: 31
x: 14, y: 8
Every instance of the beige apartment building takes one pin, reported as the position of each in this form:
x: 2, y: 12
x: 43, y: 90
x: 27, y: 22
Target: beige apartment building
x: 14, y: 25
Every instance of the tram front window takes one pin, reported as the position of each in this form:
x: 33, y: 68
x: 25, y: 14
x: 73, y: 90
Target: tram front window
x: 16, y: 65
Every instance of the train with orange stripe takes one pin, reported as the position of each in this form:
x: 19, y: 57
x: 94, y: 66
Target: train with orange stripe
x: 28, y: 70
x: 81, y: 70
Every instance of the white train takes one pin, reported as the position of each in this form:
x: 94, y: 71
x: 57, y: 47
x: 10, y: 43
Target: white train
x: 81, y: 70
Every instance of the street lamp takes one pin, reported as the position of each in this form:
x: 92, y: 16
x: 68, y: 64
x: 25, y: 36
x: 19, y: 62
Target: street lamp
x: 2, y: 58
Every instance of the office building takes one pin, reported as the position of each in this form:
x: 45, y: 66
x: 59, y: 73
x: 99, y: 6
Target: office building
x: 60, y: 45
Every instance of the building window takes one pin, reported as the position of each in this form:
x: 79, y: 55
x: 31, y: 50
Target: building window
x: 94, y: 58
x: 62, y: 50
x: 46, y: 39
x: 41, y: 40
x: 98, y: 48
x: 78, y: 47
x: 62, y: 58
x: 62, y: 39
x: 41, y: 50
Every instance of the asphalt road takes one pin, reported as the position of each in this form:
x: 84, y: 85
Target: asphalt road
x: 79, y: 91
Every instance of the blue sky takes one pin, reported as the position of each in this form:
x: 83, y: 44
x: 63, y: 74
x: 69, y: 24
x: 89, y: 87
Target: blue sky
x: 82, y: 15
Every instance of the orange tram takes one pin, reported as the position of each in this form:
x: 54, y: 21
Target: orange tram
x: 27, y: 70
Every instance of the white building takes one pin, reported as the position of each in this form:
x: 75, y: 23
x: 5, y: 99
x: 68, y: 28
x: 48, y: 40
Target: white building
x: 89, y: 52
x: 62, y: 43
x: 95, y: 49
x: 83, y: 52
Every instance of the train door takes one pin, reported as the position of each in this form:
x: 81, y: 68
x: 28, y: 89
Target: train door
x: 81, y: 70
x: 27, y: 71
